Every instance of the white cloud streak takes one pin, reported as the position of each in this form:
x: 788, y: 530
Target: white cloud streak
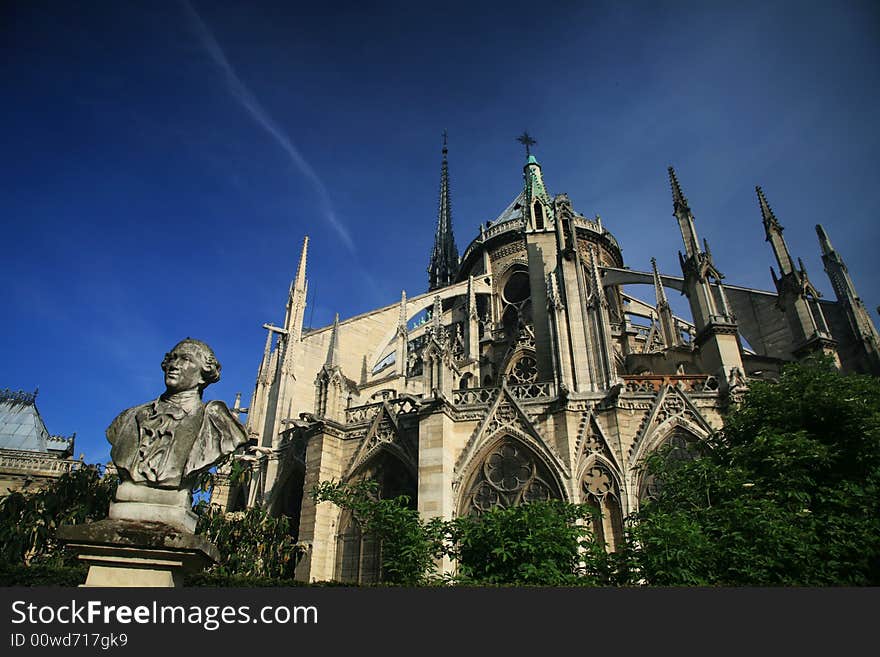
x: 243, y: 95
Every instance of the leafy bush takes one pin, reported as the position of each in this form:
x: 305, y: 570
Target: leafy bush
x: 541, y: 543
x: 251, y: 543
x: 410, y: 546
x: 29, y: 520
x: 788, y: 493
x: 42, y: 575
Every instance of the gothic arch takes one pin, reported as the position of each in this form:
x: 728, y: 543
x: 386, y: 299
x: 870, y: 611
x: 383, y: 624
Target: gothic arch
x: 507, y: 471
x: 662, y: 432
x: 681, y: 437
x: 601, y: 487
x: 359, y: 554
x: 672, y: 408
x: 506, y: 417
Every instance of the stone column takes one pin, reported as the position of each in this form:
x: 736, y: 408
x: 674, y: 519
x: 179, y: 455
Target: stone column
x: 436, y: 469
x: 318, y: 522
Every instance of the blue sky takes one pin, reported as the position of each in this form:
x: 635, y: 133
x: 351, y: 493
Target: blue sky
x: 162, y: 161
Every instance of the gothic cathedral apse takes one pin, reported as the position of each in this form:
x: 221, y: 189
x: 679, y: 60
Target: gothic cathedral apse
x: 525, y: 372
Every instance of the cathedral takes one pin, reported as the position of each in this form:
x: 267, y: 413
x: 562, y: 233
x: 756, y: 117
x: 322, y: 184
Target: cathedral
x: 525, y: 372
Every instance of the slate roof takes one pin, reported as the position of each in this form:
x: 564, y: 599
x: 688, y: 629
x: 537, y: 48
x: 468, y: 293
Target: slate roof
x: 512, y: 211
x: 22, y: 427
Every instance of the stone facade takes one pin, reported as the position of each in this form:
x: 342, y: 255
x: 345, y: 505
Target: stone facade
x: 531, y: 375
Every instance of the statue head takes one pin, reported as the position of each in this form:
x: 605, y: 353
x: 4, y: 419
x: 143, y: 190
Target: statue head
x: 190, y: 365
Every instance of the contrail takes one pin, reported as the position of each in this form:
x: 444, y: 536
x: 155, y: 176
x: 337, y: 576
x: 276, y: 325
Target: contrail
x: 249, y: 102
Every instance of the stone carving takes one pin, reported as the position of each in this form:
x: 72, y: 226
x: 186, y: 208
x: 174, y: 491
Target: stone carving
x: 160, y: 448
x: 509, y: 475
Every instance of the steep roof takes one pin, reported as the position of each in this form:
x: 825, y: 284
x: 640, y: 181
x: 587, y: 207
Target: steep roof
x: 22, y: 427
x: 512, y: 211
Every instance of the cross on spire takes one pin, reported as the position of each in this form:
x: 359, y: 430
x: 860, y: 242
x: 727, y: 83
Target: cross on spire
x: 526, y: 140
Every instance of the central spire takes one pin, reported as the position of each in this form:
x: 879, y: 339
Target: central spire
x: 443, y: 267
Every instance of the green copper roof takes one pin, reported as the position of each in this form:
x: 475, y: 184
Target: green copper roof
x: 532, y: 160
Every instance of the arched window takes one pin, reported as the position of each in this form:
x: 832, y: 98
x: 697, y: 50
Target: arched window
x: 509, y: 474
x: 358, y: 554
x: 679, y: 447
x: 539, y: 216
x: 600, y: 490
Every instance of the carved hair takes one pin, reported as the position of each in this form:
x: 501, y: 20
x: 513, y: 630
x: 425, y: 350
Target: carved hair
x: 211, y: 368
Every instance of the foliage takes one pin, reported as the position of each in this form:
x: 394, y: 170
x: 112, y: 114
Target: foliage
x: 410, y: 546
x: 788, y: 493
x: 215, y: 579
x: 542, y: 543
x: 251, y: 543
x: 29, y: 520
x: 236, y: 471
x: 42, y: 574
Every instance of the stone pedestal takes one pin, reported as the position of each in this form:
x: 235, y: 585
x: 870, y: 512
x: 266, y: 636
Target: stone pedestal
x: 147, y: 504
x: 131, y: 553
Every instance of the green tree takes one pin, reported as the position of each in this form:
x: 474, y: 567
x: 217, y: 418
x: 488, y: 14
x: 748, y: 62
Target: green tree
x: 29, y: 520
x: 537, y: 544
x: 788, y: 493
x: 410, y: 547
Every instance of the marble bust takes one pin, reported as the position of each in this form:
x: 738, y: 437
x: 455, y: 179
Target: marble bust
x: 160, y: 448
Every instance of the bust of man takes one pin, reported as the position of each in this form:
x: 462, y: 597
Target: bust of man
x: 161, y: 447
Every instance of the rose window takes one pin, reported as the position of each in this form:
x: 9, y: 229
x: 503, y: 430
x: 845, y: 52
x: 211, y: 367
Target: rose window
x: 507, y: 469
x: 525, y: 370
x: 509, y: 475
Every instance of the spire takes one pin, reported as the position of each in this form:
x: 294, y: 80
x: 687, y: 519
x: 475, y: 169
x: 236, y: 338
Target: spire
x: 682, y: 211
x: 844, y: 288
x: 262, y: 374
x: 766, y: 212
x: 773, y: 231
x: 670, y: 335
x: 402, y: 334
x: 658, y: 285
x: 443, y: 267
x: 296, y: 297
x: 825, y: 243
x: 300, y: 281
x: 401, y: 318
x: 678, y: 197
x: 333, y: 351
x: 539, y: 206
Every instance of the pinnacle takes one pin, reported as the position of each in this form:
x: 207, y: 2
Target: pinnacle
x: 824, y: 242
x: 301, y: 269
x: 333, y: 351
x: 678, y: 197
x: 766, y: 211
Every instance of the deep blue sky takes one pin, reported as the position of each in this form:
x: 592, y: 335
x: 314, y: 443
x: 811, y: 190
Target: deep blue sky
x: 161, y: 162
